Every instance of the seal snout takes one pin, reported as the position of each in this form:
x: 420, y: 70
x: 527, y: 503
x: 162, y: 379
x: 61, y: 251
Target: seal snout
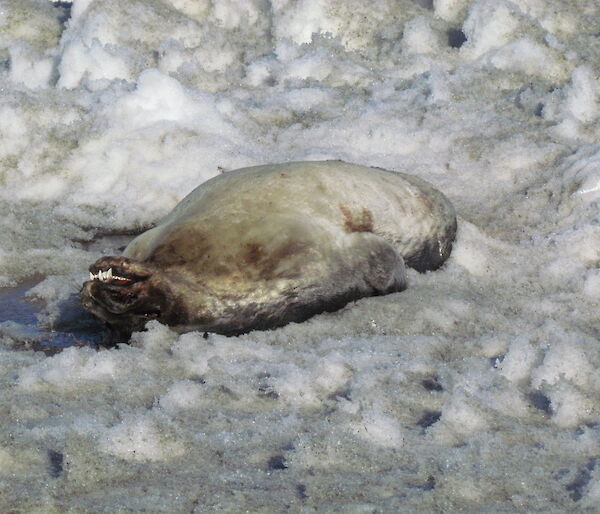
x: 119, y: 286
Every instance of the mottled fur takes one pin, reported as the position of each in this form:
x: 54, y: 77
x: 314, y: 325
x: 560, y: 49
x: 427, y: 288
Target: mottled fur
x: 261, y: 247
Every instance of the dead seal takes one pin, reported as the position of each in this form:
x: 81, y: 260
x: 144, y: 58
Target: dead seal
x: 261, y: 247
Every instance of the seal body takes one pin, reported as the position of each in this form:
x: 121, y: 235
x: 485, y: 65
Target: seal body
x: 260, y: 247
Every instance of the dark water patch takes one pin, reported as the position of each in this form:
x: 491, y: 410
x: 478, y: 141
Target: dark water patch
x: 74, y: 326
x: 301, y: 490
x: 432, y: 384
x: 64, y: 12
x: 56, y: 460
x: 456, y: 37
x: 497, y: 360
x: 276, y: 463
x: 540, y: 401
x: 19, y: 322
x: 15, y: 307
x: 428, y: 418
x: 75, y: 320
x: 582, y: 479
x: 539, y: 110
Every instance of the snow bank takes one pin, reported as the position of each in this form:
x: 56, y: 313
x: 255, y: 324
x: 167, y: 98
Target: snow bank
x: 475, y: 389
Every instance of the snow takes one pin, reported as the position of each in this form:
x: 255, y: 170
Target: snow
x: 476, y: 389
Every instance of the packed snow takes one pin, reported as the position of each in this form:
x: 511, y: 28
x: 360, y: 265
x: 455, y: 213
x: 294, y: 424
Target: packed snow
x: 477, y: 389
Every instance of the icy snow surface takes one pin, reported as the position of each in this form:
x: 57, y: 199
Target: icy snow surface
x: 475, y: 390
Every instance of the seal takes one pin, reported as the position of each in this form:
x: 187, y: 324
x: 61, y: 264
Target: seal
x: 260, y: 247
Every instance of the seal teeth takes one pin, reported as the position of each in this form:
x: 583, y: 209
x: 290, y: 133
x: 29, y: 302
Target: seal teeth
x: 107, y: 276
x: 102, y: 275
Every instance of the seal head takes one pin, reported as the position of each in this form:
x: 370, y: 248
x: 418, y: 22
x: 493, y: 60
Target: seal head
x: 126, y: 294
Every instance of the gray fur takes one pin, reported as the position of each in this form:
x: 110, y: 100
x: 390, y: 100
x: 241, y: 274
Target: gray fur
x: 260, y: 247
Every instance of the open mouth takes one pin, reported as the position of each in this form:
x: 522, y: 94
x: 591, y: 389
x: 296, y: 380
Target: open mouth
x: 107, y: 276
x: 116, y: 275
x: 120, y: 292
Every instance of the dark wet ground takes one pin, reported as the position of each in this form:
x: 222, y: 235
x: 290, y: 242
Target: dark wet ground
x: 14, y: 307
x: 18, y: 320
x: 74, y: 327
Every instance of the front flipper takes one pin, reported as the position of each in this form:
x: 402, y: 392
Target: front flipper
x: 365, y: 265
x: 376, y: 265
